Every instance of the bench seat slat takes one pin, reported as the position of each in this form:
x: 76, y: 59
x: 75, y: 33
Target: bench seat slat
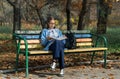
x: 70, y: 50
x: 87, y: 49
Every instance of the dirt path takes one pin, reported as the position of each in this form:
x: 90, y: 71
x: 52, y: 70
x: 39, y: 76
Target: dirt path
x: 72, y: 72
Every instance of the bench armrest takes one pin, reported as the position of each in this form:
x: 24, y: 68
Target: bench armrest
x: 100, y: 38
x: 18, y: 39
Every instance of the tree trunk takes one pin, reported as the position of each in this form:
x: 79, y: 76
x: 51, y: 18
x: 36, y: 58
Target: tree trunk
x: 17, y: 15
x: 42, y: 21
x: 81, y: 15
x: 103, y: 9
x: 69, y: 25
x: 17, y: 19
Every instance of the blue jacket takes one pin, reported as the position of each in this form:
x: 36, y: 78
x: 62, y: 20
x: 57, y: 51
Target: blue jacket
x: 46, y: 43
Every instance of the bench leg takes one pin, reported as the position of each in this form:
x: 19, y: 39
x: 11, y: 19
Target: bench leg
x: 92, y: 58
x: 105, y: 57
x: 26, y: 63
x: 17, y: 56
x: 17, y: 59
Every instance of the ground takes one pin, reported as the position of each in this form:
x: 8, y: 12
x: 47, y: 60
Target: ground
x: 76, y: 66
x: 71, y: 72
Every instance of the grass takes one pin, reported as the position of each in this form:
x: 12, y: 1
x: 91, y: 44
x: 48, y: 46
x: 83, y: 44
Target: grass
x: 113, y: 37
x: 5, y: 29
x: 5, y: 32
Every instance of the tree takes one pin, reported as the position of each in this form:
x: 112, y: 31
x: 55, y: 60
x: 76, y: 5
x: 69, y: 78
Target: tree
x: 43, y: 8
x: 17, y: 14
x: 69, y: 25
x: 81, y: 15
x: 103, y: 11
x: 37, y: 5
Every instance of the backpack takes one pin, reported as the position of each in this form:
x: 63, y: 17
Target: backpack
x: 70, y: 41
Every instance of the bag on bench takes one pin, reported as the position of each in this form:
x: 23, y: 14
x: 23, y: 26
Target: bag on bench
x: 70, y: 41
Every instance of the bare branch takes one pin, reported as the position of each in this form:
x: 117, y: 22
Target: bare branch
x: 11, y: 3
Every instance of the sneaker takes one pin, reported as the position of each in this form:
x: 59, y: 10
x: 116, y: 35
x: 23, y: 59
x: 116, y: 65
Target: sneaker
x: 53, y: 66
x: 61, y: 73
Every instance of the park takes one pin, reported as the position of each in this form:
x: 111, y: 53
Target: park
x: 94, y: 24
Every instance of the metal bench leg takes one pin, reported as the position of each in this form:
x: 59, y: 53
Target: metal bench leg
x: 26, y: 63
x: 17, y: 59
x: 92, y: 58
x: 105, y: 57
x: 17, y: 56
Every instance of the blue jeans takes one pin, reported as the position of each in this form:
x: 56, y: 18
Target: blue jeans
x: 58, y: 52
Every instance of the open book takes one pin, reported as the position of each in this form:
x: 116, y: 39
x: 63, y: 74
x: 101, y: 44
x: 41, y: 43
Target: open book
x: 60, y: 38
x: 52, y: 41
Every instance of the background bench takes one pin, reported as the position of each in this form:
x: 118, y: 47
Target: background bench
x: 28, y: 43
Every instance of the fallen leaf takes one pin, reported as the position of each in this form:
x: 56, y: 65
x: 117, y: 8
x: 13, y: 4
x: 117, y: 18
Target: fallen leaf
x: 111, y: 78
x: 111, y: 74
x: 8, y: 77
x: 49, y: 77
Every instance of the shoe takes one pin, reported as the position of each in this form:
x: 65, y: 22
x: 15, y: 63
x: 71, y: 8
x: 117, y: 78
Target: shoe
x: 53, y: 66
x: 61, y: 73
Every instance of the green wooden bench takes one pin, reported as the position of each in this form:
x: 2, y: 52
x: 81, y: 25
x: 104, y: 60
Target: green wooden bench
x: 28, y: 43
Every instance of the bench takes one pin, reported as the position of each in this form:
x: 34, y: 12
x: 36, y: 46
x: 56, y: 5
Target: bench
x: 28, y: 43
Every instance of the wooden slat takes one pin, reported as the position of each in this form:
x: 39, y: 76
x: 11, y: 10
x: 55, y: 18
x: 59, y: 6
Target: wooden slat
x: 31, y: 36
x: 35, y: 44
x: 84, y: 40
x: 38, y: 31
x: 28, y: 31
x: 83, y: 35
x: 84, y: 44
x: 32, y: 46
x: 86, y: 49
x: 40, y: 52
x: 71, y: 50
x: 31, y: 41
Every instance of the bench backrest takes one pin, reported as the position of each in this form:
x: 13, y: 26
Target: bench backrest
x: 83, y: 39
